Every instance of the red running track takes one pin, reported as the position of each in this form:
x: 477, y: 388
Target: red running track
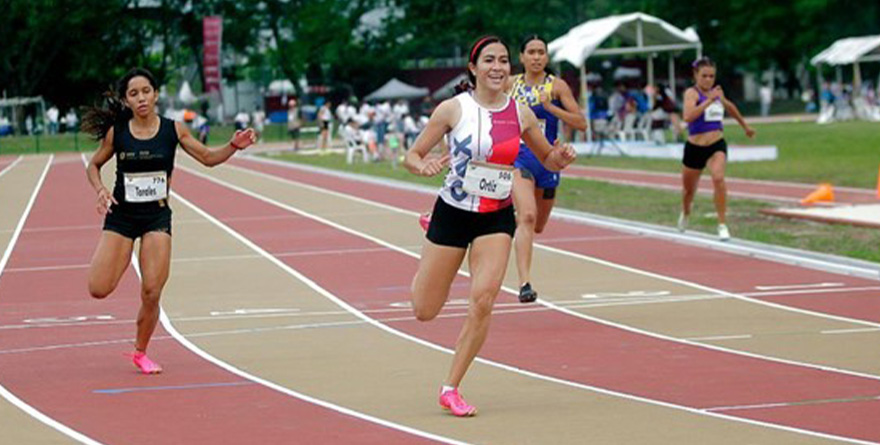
x: 787, y: 192
x: 550, y: 343
x: 61, y: 382
x: 5, y: 161
x: 719, y: 270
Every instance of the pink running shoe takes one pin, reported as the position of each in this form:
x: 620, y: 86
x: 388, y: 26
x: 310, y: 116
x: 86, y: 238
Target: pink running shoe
x: 452, y: 401
x: 425, y: 220
x: 144, y: 364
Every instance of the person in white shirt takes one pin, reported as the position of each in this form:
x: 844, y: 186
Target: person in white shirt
x: 52, y: 115
x: 259, y: 123
x: 766, y: 96
x: 242, y: 120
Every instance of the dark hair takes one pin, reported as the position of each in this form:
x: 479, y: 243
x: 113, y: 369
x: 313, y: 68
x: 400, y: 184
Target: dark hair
x: 701, y: 62
x: 98, y: 120
x: 529, y: 38
x: 474, y: 54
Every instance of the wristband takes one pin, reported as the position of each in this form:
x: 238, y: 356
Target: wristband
x: 235, y: 146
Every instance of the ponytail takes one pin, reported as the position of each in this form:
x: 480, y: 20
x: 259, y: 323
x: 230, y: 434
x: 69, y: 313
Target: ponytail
x: 98, y: 120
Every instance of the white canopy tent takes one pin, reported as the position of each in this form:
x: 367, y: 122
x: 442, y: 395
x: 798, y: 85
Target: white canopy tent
x: 640, y: 34
x: 448, y: 88
x: 395, y: 89
x: 850, y: 51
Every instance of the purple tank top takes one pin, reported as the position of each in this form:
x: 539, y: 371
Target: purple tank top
x: 711, y: 118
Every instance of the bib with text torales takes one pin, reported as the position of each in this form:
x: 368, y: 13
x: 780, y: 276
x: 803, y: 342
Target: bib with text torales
x: 145, y: 187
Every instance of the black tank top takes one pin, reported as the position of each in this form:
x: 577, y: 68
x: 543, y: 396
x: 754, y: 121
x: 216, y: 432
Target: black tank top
x: 143, y: 156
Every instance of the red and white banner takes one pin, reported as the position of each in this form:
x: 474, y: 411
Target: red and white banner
x: 212, y: 31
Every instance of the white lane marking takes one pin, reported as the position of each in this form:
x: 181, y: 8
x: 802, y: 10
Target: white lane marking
x: 787, y: 404
x: 499, y: 365
x: 11, y: 166
x: 5, y: 393
x: 849, y: 331
x: 557, y: 251
x: 169, y: 326
x: 216, y: 314
x: 721, y: 337
x: 216, y: 258
x: 66, y: 320
x: 800, y: 286
x: 628, y: 294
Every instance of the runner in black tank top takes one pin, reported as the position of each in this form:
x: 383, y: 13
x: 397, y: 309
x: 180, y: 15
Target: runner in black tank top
x: 144, y: 145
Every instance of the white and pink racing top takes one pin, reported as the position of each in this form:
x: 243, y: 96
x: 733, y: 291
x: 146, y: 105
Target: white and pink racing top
x: 482, y: 134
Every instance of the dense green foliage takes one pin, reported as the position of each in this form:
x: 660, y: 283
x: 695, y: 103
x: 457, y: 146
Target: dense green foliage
x: 67, y: 51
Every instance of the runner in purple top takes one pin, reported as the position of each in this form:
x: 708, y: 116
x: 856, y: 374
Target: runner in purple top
x: 704, y: 106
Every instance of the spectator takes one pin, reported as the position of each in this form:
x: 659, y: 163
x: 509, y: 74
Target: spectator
x: 325, y: 118
x: 242, y: 120
x: 72, y: 120
x: 766, y: 96
x: 52, y: 115
x: 293, y: 122
x: 259, y: 123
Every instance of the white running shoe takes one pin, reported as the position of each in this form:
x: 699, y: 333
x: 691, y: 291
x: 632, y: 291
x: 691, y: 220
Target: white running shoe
x: 723, y: 232
x: 682, y: 222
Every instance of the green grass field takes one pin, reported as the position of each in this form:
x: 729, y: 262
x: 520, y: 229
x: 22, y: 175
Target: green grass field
x: 844, y: 154
x: 83, y: 142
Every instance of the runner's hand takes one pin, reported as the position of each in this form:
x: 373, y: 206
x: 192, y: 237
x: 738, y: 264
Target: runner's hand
x: 434, y: 166
x: 567, y: 155
x: 750, y: 132
x: 716, y: 93
x: 544, y: 98
x: 243, y: 138
x: 105, y: 199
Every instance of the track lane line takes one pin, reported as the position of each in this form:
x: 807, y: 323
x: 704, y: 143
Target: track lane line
x: 5, y: 393
x: 499, y: 365
x: 543, y: 302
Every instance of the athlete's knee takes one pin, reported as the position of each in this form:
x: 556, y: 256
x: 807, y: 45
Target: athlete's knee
x: 150, y: 294
x: 527, y: 218
x: 718, y: 181
x: 539, y: 227
x: 99, y: 292
x: 483, y: 301
x: 424, y: 313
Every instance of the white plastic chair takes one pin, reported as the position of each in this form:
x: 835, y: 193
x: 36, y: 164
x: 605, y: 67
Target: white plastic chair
x: 352, y: 146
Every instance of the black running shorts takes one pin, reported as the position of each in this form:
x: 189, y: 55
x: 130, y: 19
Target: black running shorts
x: 134, y: 221
x: 696, y: 156
x: 454, y: 227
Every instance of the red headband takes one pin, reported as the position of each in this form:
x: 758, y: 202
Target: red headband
x: 477, y: 46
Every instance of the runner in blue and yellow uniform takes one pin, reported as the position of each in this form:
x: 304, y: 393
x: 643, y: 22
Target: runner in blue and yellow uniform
x: 144, y: 145
x: 534, y: 189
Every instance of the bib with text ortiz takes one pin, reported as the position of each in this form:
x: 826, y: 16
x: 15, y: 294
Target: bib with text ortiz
x: 146, y: 187
x: 714, y: 112
x: 488, y: 180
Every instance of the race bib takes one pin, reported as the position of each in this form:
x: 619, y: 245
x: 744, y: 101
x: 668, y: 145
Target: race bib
x: 488, y: 180
x: 145, y: 187
x: 714, y: 112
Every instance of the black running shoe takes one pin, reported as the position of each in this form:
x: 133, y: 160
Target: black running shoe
x: 526, y: 294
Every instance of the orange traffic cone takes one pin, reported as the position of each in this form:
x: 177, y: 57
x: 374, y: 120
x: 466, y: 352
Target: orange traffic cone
x: 824, y: 194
